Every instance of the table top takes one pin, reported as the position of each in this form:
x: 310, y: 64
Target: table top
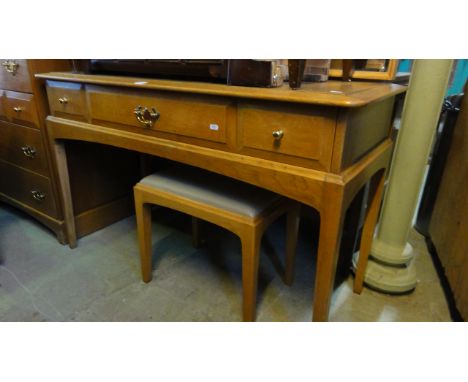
x: 330, y: 93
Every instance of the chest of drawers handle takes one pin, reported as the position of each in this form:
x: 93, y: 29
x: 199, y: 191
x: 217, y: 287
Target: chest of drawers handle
x: 278, y: 134
x: 38, y: 195
x: 29, y: 151
x: 18, y: 109
x: 146, y: 117
x: 10, y: 66
x: 63, y: 100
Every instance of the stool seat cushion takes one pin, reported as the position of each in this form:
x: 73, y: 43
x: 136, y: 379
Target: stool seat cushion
x: 212, y: 189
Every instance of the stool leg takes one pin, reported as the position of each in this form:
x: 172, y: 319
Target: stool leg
x: 292, y: 228
x: 250, y: 261
x: 143, y: 216
x: 196, y: 232
x: 376, y: 189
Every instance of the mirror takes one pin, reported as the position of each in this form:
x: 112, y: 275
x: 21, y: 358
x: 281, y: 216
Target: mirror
x: 367, y: 69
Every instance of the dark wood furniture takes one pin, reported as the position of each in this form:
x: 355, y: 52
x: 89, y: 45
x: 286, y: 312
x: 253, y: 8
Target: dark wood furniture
x: 318, y: 145
x: 448, y: 227
x: 26, y: 177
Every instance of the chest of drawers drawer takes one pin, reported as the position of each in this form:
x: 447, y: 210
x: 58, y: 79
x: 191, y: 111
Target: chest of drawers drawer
x: 14, y: 75
x: 185, y: 115
x: 23, y: 146
x: 67, y: 100
x: 27, y: 187
x: 275, y: 129
x: 21, y: 108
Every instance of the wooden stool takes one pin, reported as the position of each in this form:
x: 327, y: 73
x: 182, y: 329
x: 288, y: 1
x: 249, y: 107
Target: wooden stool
x: 244, y: 209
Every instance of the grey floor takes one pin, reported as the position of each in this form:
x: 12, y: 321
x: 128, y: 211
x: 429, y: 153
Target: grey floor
x: 41, y: 280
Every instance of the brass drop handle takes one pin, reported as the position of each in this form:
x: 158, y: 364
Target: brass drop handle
x: 18, y: 109
x: 38, y: 195
x: 10, y: 66
x: 63, y: 100
x: 29, y: 151
x: 278, y: 134
x: 146, y: 117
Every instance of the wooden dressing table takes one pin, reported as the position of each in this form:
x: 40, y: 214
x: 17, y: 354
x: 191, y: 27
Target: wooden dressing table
x: 319, y: 145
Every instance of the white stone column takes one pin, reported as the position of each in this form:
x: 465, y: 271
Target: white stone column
x: 390, y: 266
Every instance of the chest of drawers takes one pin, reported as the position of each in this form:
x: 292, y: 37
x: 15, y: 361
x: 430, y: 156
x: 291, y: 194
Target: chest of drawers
x: 26, y: 177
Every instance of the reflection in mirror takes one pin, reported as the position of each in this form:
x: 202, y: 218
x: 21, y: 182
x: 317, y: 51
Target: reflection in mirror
x: 374, y: 65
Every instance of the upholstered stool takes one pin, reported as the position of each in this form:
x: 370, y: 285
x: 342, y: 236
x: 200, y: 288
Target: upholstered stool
x: 244, y: 209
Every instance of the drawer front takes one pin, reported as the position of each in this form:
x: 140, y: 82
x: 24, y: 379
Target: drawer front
x: 185, y: 115
x: 21, y: 108
x: 23, y: 146
x: 14, y: 75
x: 66, y: 99
x: 303, y: 132
x: 27, y: 187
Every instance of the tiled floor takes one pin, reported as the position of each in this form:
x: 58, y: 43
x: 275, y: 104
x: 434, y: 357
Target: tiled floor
x: 41, y: 280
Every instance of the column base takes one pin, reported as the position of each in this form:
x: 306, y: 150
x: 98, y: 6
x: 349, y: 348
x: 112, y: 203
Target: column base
x: 391, y: 255
x: 387, y: 278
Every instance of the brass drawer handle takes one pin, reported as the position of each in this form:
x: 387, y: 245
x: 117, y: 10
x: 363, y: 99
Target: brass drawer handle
x: 63, y: 100
x: 146, y: 117
x: 10, y: 66
x: 29, y: 151
x: 278, y: 134
x: 18, y: 109
x: 38, y: 195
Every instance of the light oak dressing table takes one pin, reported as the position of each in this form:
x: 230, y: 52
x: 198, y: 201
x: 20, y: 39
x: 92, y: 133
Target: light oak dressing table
x: 319, y: 145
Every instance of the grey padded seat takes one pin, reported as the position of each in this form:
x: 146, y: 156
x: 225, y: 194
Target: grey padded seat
x: 212, y: 189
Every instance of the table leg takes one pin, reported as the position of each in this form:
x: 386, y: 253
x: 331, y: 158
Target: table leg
x: 331, y: 227
x: 250, y: 260
x: 64, y: 184
x: 372, y: 213
x: 292, y: 230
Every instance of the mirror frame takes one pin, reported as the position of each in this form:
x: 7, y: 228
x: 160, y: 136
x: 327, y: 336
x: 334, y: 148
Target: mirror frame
x: 388, y: 75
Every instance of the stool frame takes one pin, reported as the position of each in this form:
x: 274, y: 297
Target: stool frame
x: 250, y: 231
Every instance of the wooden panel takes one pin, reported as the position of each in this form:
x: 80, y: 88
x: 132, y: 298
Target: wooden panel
x: 306, y: 132
x: 19, y: 80
x: 190, y: 116
x: 449, y: 221
x: 23, y: 146
x: 461, y: 291
x: 66, y: 99
x: 21, y: 108
x: 366, y: 127
x: 100, y: 174
x: 19, y: 184
x: 104, y: 215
